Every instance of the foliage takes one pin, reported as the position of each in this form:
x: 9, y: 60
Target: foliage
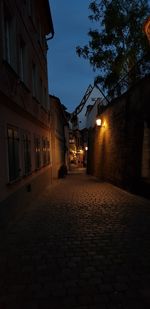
x: 118, y: 42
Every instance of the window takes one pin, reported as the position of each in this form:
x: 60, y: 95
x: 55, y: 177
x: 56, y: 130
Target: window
x: 45, y: 151
x: 22, y: 59
x: 26, y: 154
x: 40, y: 31
x: 45, y: 98
x: 34, y: 80
x: 13, y: 153
x: 30, y: 8
x: 8, y: 38
x: 37, y: 152
x: 41, y: 91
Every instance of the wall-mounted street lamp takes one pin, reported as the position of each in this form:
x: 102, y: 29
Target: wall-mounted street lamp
x: 99, y: 122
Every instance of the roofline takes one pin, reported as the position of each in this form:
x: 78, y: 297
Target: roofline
x: 59, y: 104
x: 50, y: 21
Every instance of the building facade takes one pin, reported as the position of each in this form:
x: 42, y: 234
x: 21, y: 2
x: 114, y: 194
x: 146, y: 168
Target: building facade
x: 24, y: 107
x: 59, y: 138
x: 93, y: 96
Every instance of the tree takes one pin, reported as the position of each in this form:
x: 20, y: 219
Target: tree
x: 118, y: 43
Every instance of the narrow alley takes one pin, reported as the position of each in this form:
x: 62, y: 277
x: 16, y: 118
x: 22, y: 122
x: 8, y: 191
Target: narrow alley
x: 81, y: 244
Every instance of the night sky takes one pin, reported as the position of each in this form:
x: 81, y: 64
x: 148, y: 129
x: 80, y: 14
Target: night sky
x: 69, y: 75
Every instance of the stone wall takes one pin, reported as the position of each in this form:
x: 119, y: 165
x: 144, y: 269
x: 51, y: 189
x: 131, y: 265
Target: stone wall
x: 116, y: 149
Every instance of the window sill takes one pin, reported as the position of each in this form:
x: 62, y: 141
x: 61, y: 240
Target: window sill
x: 44, y: 165
x: 37, y: 169
x: 12, y: 182
x: 26, y: 175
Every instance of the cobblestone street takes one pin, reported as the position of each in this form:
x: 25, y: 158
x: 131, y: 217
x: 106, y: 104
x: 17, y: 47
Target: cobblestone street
x: 82, y: 244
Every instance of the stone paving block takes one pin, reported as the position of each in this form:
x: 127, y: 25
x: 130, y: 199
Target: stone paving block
x: 82, y: 245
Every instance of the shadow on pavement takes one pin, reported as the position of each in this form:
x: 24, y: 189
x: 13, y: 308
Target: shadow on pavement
x: 74, y: 169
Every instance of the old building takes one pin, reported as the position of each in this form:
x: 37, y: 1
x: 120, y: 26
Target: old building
x: 25, y: 160
x: 82, y: 119
x: 91, y: 97
x: 59, y: 138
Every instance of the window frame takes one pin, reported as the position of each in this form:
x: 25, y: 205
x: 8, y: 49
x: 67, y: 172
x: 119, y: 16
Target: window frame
x: 7, y: 37
x: 13, y: 145
x: 26, y: 150
x: 23, y: 61
x: 37, y: 152
x: 34, y: 80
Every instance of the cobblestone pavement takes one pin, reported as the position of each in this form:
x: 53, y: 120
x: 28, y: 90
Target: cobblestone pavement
x: 82, y: 245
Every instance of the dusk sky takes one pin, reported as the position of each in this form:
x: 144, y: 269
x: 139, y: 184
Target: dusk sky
x: 69, y: 75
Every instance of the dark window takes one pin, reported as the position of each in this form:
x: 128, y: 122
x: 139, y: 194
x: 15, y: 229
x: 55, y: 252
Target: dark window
x: 8, y: 38
x: 13, y: 153
x: 47, y: 152
x: 35, y: 81
x: 37, y: 152
x: 22, y: 58
x: 44, y: 151
x: 45, y: 98
x: 27, y: 153
x: 31, y: 11
x: 41, y: 91
x: 30, y: 8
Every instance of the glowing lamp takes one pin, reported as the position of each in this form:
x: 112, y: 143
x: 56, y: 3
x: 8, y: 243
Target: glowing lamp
x: 98, y: 121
